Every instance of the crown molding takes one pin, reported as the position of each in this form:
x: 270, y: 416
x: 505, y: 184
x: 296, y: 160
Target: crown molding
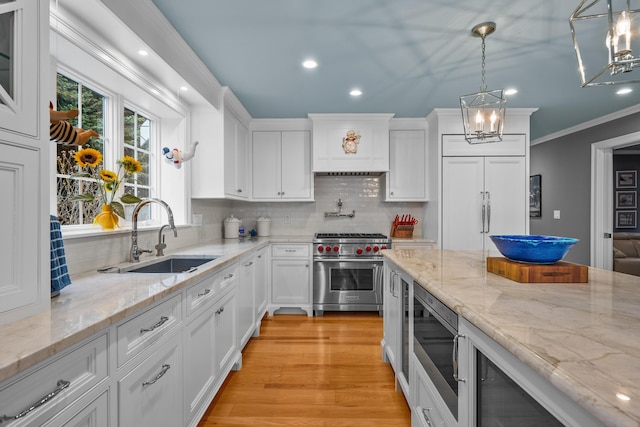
x: 588, y: 124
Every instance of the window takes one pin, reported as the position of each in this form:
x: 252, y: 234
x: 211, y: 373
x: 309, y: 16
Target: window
x: 92, y: 106
x: 137, y: 143
x: 135, y: 140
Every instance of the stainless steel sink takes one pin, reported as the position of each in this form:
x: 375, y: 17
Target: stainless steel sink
x: 174, y: 264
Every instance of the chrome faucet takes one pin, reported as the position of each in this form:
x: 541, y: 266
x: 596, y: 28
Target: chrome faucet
x: 135, y: 252
x: 161, y: 244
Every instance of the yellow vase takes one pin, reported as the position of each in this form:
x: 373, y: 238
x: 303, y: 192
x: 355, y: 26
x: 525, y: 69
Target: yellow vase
x: 107, y: 219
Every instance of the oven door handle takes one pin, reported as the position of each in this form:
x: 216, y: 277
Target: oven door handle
x: 378, y: 260
x: 454, y: 358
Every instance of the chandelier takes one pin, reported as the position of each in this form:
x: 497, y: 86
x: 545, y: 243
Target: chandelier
x: 483, y: 112
x: 605, y: 54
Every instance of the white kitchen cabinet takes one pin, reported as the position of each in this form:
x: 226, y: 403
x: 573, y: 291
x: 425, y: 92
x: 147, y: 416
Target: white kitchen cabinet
x: 282, y: 166
x: 209, y: 345
x: 291, y: 279
x: 261, y: 283
x: 150, y: 395
x: 246, y: 308
x: 482, y: 196
x: 24, y: 167
x: 425, y: 410
x: 63, y: 381
x: 406, y: 180
x: 392, y: 319
x: 236, y: 144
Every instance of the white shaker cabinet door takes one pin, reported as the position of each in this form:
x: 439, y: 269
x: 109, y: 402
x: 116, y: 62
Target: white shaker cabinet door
x: 296, y: 165
x: 406, y: 180
x: 506, y: 186
x: 266, y: 165
x: 462, y: 187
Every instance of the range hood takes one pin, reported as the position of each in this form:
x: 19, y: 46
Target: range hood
x: 350, y: 144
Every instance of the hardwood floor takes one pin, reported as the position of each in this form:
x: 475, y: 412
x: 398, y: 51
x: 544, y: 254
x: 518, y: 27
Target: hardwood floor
x: 312, y: 371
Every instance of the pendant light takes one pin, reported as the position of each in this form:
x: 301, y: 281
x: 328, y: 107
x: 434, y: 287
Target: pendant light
x: 483, y: 112
x: 605, y: 49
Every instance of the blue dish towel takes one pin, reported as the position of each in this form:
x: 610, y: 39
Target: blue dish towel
x: 59, y: 272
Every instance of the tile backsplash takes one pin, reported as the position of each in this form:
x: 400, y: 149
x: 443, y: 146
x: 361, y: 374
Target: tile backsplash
x: 364, y: 194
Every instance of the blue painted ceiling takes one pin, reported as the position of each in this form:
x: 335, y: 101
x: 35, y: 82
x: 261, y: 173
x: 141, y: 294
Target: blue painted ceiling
x: 407, y: 56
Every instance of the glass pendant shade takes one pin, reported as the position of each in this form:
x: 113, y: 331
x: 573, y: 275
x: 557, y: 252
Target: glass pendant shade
x: 483, y: 112
x: 606, y: 37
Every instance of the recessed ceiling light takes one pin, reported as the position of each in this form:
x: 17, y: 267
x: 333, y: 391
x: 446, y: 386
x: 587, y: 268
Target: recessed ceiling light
x: 355, y: 92
x: 624, y: 91
x: 510, y: 91
x: 143, y: 52
x: 309, y: 63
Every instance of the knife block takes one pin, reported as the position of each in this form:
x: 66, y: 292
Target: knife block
x: 402, y: 231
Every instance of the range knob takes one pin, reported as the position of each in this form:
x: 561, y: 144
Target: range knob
x: 320, y: 249
x: 368, y: 248
x: 328, y: 249
x: 336, y: 248
x: 359, y: 251
x: 376, y: 249
x: 384, y: 247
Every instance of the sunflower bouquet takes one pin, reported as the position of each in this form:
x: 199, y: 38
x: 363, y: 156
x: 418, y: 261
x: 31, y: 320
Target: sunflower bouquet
x: 109, y: 182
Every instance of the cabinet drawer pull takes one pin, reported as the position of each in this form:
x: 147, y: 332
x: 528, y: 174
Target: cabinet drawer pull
x: 220, y: 310
x: 164, y: 370
x: 206, y: 292
x: 61, y: 385
x: 228, y: 276
x: 425, y: 413
x: 162, y: 321
x: 249, y: 264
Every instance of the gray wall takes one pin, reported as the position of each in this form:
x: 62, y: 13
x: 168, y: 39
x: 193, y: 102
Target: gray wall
x: 565, y: 166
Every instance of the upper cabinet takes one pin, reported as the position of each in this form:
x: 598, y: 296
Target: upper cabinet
x: 282, y: 166
x: 221, y: 165
x: 25, y: 286
x: 406, y: 180
x: 22, y: 27
x: 350, y: 142
x: 236, y: 144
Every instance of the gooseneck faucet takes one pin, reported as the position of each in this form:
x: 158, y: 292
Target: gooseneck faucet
x: 135, y: 252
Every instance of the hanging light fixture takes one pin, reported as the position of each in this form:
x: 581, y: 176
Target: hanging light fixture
x: 483, y: 112
x: 605, y: 54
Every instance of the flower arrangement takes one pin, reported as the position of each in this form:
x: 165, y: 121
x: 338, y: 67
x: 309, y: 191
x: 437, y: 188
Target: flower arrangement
x: 109, y: 183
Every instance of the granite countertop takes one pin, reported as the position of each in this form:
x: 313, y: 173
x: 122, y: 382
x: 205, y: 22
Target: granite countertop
x: 582, y: 337
x: 94, y: 301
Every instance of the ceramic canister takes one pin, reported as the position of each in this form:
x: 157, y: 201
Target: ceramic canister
x: 231, y: 227
x: 264, y: 226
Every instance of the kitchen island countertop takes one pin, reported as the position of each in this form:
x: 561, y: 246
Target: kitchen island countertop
x: 582, y: 337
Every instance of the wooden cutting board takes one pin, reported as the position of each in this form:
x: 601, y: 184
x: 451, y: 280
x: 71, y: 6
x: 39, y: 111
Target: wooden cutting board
x: 560, y: 272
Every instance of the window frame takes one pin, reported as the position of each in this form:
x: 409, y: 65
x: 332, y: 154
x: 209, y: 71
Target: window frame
x: 113, y: 148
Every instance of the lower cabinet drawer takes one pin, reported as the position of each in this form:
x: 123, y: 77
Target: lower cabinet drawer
x: 137, y: 334
x: 290, y: 250
x: 95, y: 414
x: 150, y: 395
x: 33, y: 399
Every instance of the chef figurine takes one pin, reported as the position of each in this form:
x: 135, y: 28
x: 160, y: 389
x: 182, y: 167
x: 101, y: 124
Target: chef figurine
x: 350, y: 142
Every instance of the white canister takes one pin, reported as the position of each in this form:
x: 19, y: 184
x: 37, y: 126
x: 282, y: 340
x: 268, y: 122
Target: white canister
x: 264, y: 226
x: 231, y: 227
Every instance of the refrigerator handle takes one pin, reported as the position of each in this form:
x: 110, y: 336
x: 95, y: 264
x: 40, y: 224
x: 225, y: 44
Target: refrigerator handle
x: 484, y: 211
x: 488, y: 211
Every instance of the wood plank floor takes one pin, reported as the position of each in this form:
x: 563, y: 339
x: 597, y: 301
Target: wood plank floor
x: 312, y: 371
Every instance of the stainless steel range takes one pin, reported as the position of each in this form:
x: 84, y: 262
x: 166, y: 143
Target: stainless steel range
x: 347, y: 272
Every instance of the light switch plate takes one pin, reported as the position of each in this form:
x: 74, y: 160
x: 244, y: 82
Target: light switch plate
x: 556, y: 214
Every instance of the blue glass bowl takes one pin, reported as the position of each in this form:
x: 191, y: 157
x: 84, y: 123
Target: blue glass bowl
x: 533, y: 249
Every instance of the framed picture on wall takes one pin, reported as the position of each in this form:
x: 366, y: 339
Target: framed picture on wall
x: 626, y: 179
x: 626, y: 219
x: 626, y: 200
x: 535, y: 196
